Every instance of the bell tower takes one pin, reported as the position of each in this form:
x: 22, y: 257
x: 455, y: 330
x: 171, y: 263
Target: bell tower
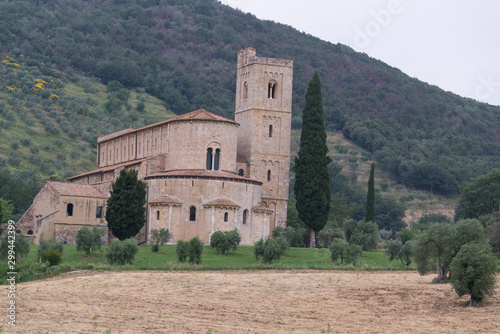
x: 264, y: 112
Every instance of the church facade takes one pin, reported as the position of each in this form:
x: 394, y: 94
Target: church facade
x: 203, y: 172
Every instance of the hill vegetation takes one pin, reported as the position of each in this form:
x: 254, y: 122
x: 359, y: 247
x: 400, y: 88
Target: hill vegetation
x: 97, y: 61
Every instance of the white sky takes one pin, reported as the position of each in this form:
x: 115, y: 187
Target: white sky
x: 453, y: 44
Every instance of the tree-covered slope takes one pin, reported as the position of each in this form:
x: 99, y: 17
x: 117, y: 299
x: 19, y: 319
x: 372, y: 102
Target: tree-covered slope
x: 184, y: 53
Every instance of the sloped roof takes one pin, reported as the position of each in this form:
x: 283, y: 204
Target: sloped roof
x: 111, y: 167
x: 202, y: 114
x: 165, y: 200
x: 197, y: 115
x: 221, y: 202
x: 75, y: 189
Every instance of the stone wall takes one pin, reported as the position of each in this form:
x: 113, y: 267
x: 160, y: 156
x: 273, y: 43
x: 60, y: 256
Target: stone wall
x: 198, y: 193
x: 68, y: 232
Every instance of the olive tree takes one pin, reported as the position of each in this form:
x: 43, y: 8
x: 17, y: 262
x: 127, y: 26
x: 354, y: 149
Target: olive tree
x: 474, y: 272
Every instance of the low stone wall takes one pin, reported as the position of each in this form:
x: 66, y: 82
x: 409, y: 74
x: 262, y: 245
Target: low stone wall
x: 67, y: 232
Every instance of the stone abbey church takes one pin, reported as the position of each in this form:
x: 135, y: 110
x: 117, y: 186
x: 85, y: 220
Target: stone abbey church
x: 203, y: 172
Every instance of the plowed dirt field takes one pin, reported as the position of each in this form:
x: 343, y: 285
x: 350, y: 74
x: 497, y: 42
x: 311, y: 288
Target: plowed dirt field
x: 247, y: 302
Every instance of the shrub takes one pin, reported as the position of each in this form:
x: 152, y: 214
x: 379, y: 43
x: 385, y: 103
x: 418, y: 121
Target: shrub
x: 26, y: 141
x: 34, y: 149
x: 159, y: 238
x: 283, y: 245
x: 258, y: 249
x: 14, y: 145
x: 130, y: 248
x: 195, y: 250
x: 114, y: 253
x: 182, y: 250
x: 224, y: 241
x: 122, y: 253
x: 140, y: 107
x: 51, y: 256
x: 337, y: 250
x: 87, y: 240
x: 51, y: 244
x: 352, y: 253
x: 270, y: 249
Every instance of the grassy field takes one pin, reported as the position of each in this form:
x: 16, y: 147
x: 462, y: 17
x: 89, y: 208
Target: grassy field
x: 243, y: 258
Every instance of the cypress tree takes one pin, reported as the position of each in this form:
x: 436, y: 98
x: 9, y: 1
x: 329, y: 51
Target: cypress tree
x: 126, y: 211
x: 370, y: 197
x: 312, y: 185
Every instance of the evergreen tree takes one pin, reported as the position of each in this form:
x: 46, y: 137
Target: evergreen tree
x: 312, y: 185
x: 126, y: 211
x: 370, y: 197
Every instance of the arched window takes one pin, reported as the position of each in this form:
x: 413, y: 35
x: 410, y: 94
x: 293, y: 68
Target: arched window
x: 158, y: 215
x: 226, y: 216
x: 216, y: 159
x: 98, y: 212
x: 269, y: 175
x: 271, y: 90
x: 241, y: 173
x: 192, y: 214
x: 209, y: 159
x: 270, y: 131
x: 69, y: 210
x: 245, y: 90
x: 30, y: 232
x: 245, y: 214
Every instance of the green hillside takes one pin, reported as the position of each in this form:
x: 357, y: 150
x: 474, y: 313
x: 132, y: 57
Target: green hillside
x: 49, y: 124
x: 183, y: 52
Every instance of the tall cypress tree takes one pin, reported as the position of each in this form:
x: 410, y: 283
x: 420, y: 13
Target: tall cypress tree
x: 126, y: 213
x: 370, y: 197
x: 312, y: 185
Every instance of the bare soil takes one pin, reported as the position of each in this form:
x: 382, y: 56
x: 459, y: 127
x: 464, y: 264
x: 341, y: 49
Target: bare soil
x: 248, y: 302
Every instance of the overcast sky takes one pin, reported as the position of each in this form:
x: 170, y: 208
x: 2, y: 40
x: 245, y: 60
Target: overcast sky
x: 453, y: 44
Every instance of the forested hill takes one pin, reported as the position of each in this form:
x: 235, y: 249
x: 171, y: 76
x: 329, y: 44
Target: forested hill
x: 184, y: 53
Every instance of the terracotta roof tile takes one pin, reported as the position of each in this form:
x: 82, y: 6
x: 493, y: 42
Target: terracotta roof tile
x: 221, y: 202
x: 75, y: 189
x: 165, y: 200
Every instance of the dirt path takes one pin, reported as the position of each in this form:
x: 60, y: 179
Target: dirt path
x: 248, y: 302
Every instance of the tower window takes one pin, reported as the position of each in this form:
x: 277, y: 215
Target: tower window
x: 209, y: 159
x: 69, y: 210
x: 270, y: 131
x: 30, y: 232
x: 226, y: 216
x: 245, y: 90
x: 245, y: 214
x: 98, y: 212
x: 241, y: 173
x: 158, y: 215
x: 192, y: 214
x: 271, y: 90
x: 269, y: 175
x: 216, y: 159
